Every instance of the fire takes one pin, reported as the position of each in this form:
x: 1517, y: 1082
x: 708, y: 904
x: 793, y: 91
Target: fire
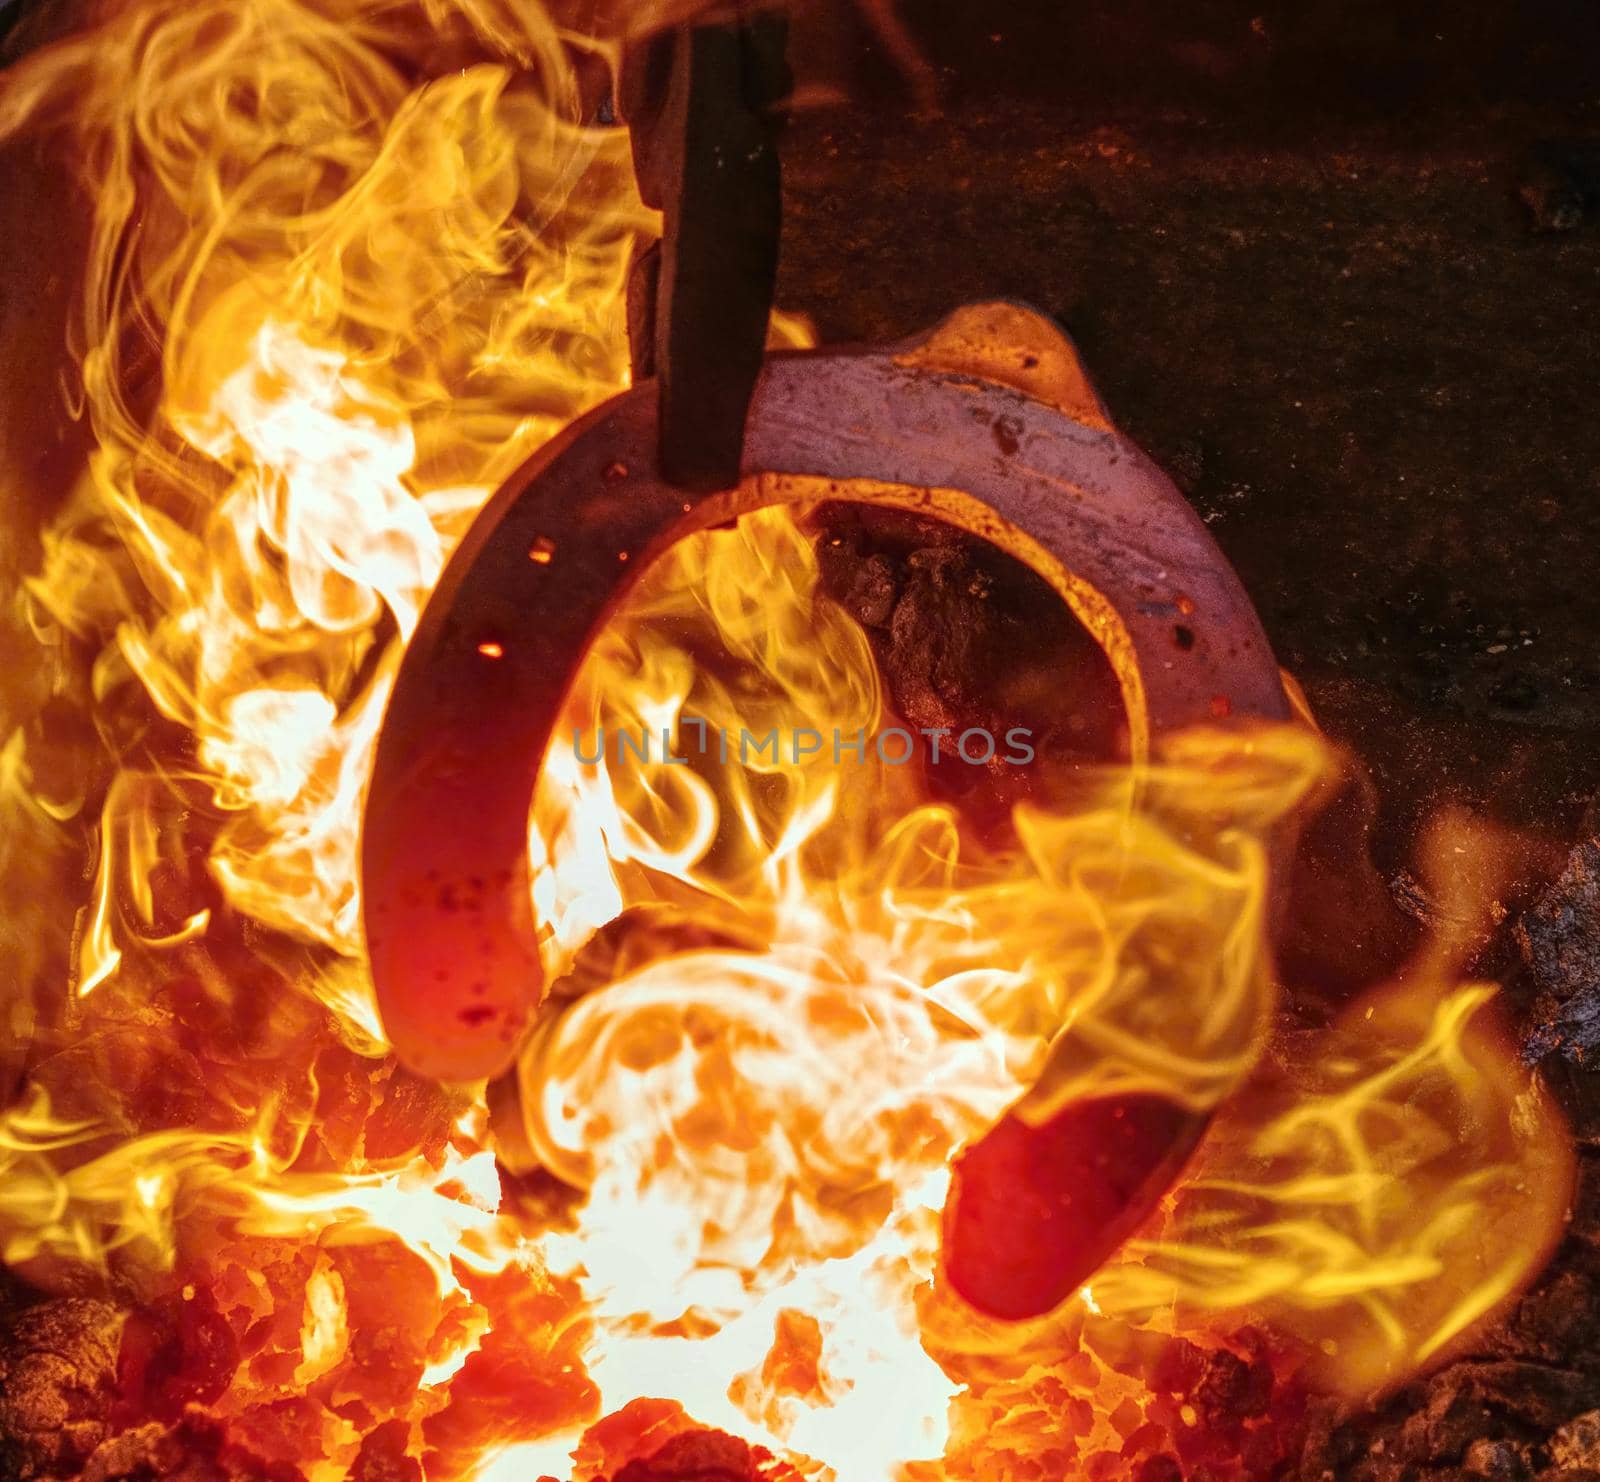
x: 349, y: 264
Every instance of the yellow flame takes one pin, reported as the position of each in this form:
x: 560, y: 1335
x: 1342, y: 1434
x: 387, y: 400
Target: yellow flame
x: 761, y: 1090
x: 1382, y: 1184
x: 324, y: 1330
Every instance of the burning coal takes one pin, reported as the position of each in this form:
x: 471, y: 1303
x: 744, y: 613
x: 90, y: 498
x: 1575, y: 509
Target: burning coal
x: 348, y: 265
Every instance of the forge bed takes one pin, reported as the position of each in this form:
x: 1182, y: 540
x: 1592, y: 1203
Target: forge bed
x: 1326, y: 268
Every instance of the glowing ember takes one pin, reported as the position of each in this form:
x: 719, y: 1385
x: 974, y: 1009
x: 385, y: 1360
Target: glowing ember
x: 350, y: 263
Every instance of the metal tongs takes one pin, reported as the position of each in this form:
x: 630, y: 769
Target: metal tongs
x: 703, y: 105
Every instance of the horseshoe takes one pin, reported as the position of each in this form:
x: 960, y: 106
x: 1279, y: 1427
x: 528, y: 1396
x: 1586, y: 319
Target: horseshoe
x: 987, y: 422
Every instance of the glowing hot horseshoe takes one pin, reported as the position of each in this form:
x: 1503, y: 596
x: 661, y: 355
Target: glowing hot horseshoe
x: 987, y: 423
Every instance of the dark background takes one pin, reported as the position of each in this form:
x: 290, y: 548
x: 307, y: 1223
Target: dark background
x: 1335, y: 265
